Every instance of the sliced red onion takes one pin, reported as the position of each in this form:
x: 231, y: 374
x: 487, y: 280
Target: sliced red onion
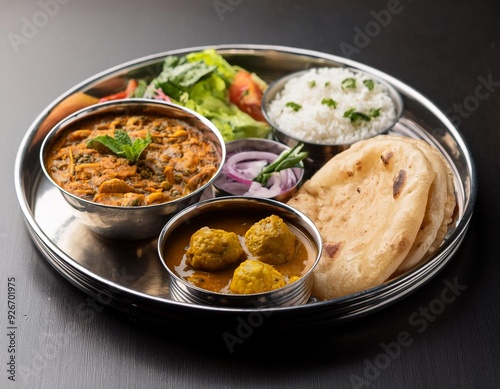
x: 160, y: 95
x: 256, y: 189
x: 255, y: 157
x: 251, y: 169
x: 242, y: 167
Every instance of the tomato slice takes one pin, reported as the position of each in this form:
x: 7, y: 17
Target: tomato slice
x: 246, y: 94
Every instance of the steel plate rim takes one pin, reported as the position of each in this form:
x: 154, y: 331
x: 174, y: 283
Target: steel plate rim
x: 459, y: 232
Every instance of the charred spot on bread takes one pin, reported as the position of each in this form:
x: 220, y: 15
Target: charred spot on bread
x: 398, y: 184
x: 331, y: 249
x: 386, y: 158
x: 404, y: 244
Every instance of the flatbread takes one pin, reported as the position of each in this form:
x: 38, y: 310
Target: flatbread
x: 368, y: 203
x: 439, y: 207
x: 450, y: 206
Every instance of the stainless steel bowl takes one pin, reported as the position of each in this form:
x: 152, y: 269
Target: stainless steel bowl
x: 320, y: 153
x: 257, y: 144
x: 139, y: 222
x: 295, y: 293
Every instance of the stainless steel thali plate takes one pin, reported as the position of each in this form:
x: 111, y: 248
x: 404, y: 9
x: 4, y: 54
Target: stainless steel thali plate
x: 129, y: 276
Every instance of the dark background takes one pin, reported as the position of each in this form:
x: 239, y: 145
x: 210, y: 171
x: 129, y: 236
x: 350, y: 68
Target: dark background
x: 441, y: 49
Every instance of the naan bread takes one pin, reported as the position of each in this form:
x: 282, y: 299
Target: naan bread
x: 369, y: 203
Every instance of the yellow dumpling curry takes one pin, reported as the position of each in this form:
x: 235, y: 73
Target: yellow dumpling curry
x: 214, y: 249
x: 239, y: 253
x: 254, y: 276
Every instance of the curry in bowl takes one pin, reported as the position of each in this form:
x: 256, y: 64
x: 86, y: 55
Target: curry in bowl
x: 240, y: 251
x: 126, y: 167
x: 130, y: 159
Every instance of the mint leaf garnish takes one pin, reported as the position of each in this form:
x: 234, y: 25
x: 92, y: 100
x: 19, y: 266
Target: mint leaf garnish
x: 120, y: 145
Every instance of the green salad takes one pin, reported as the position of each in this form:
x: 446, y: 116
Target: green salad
x: 205, y: 82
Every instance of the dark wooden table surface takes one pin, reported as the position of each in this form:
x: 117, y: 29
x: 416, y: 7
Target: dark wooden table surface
x: 444, y: 49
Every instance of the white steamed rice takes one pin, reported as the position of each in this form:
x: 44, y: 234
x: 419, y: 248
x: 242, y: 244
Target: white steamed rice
x: 319, y: 123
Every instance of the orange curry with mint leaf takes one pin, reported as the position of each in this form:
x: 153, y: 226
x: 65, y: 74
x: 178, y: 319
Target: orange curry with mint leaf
x: 132, y: 160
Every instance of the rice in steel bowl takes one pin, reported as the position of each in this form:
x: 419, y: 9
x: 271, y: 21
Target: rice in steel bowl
x: 332, y: 106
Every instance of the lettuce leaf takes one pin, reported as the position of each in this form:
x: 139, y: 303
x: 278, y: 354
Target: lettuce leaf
x: 209, y: 98
x: 211, y: 58
x: 200, y: 81
x: 178, y: 76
